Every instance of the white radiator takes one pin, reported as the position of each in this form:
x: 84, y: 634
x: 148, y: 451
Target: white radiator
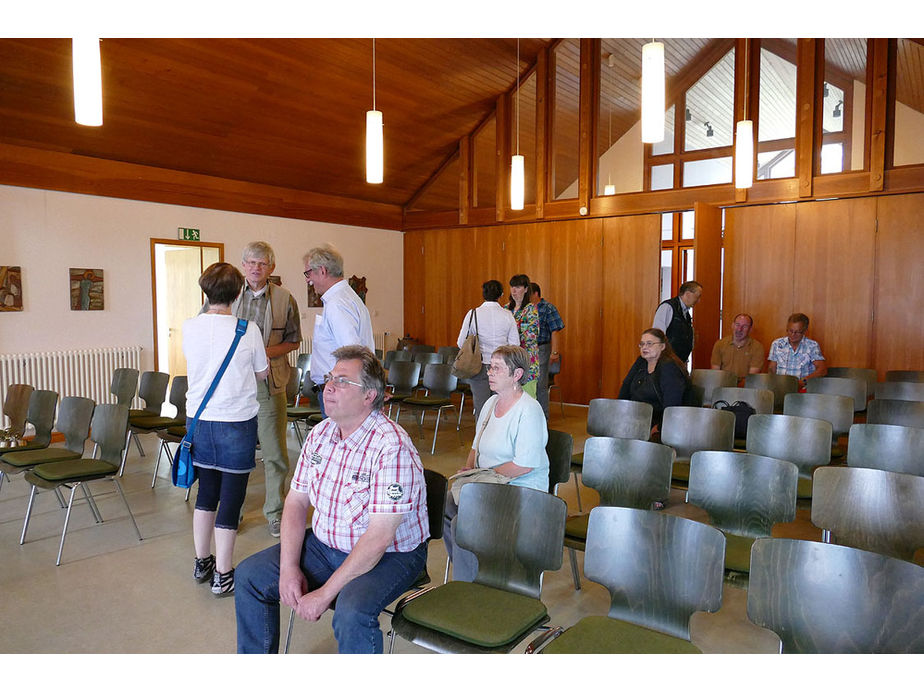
x: 380, y: 338
x: 81, y: 373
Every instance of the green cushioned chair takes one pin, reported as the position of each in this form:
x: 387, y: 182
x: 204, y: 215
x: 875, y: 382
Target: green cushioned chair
x: 613, y: 418
x: 151, y: 423
x: 401, y: 381
x: 559, y: 447
x: 16, y: 408
x: 779, y: 385
x: 123, y: 385
x: 887, y: 447
x: 438, y: 386
x: 625, y: 472
x: 304, y: 405
x: 73, y: 421
x: 745, y: 495
x: 41, y: 414
x: 828, y: 599
x: 803, y: 441
x: 837, y: 409
x: 516, y: 533
x: 659, y: 569
x: 689, y: 429
x: 896, y: 412
x: 152, y: 388
x: 109, y: 428
x: 704, y: 381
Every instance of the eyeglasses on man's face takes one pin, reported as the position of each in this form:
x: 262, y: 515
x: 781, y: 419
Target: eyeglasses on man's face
x: 261, y: 264
x: 340, y: 381
x: 311, y: 270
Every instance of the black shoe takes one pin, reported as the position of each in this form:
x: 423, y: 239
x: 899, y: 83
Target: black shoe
x: 204, y: 568
x: 223, y: 584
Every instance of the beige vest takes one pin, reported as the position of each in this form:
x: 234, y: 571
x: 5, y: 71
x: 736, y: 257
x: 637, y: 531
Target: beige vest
x: 274, y: 324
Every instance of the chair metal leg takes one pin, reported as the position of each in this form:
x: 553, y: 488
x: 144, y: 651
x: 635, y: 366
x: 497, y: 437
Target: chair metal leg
x: 461, y: 407
x: 577, y: 490
x: 137, y: 442
x: 285, y: 649
x: 25, y: 524
x: 391, y: 641
x: 436, y: 430
x: 67, y: 517
x: 826, y: 536
x: 160, y: 450
x: 60, y: 498
x: 446, y: 574
x: 572, y: 554
x: 92, y: 503
x: 125, y: 501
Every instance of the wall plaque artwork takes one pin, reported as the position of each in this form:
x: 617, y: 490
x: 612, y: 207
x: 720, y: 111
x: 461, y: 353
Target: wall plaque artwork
x: 10, y: 288
x: 358, y: 284
x: 86, y: 288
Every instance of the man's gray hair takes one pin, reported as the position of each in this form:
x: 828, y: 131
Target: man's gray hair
x: 372, y: 372
x: 325, y: 256
x: 259, y: 250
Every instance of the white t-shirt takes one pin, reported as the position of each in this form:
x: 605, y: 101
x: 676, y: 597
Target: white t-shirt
x: 519, y: 436
x: 206, y: 340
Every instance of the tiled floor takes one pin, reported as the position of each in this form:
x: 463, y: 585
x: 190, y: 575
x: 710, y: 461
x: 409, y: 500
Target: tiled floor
x: 114, y: 594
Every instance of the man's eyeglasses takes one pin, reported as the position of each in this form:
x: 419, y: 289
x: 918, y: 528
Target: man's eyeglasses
x: 642, y: 345
x: 256, y: 263
x: 308, y: 272
x: 340, y: 381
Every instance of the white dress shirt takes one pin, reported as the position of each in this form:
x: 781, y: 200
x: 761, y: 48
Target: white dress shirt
x: 344, y: 321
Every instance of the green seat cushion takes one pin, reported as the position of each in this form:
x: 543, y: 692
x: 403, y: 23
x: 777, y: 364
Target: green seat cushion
x: 681, y: 470
x: 426, y: 401
x: 177, y: 431
x: 577, y: 459
x: 302, y: 412
x: 30, y: 458
x: 135, y: 413
x: 316, y: 418
x: 576, y: 526
x: 738, y: 552
x: 804, y: 488
x: 475, y: 613
x: 26, y: 446
x: 74, y: 469
x: 603, y: 635
x: 153, y: 422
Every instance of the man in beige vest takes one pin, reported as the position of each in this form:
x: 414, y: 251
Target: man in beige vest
x: 275, y: 312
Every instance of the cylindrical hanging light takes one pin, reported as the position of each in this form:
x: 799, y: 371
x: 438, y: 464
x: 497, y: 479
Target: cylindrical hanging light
x: 375, y: 147
x: 653, y: 92
x: 609, y: 189
x: 744, y: 154
x: 88, y: 81
x: 517, y: 181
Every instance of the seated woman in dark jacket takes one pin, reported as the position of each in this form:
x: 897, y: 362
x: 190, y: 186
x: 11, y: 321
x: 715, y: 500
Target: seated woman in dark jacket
x: 657, y: 376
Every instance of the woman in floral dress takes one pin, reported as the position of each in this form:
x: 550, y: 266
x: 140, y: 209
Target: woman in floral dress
x: 527, y: 317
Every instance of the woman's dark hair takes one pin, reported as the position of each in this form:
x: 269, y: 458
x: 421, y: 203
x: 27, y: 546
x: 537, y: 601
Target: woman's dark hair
x: 668, y: 353
x: 492, y: 290
x: 519, y: 280
x: 221, y: 282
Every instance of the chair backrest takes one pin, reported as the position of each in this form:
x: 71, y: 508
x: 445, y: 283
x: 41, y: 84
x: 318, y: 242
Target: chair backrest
x: 705, y: 380
x: 888, y: 447
x: 422, y: 349
x: 824, y: 598
x: 16, y: 407
x: 779, y: 385
x: 904, y: 376
x: 436, y: 501
x: 848, y: 387
x: 559, y: 448
x: 676, y: 566
x: 688, y: 429
x: 293, y: 385
x: 761, y: 400
x: 109, y: 430
x: 395, y: 355
x: 626, y: 472
x: 178, y: 395
x: 124, y: 384
x: 438, y: 379
x: 836, y: 409
x: 870, y: 509
x: 41, y: 414
x: 898, y: 412
x: 74, y: 417
x: 516, y: 533
x: 425, y: 358
x: 901, y: 389
x: 867, y: 374
x: 804, y: 442
x: 404, y: 376
x: 153, y: 390
x: 303, y: 363
x: 619, y: 418
x: 448, y: 353
x: 744, y: 494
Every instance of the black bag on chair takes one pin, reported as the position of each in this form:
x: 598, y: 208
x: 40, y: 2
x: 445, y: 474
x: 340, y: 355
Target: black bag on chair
x: 742, y: 412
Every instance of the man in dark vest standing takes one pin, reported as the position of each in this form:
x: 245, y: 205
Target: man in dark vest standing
x: 674, y: 319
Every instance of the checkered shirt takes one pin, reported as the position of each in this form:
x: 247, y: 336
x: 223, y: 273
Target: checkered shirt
x: 799, y: 362
x: 375, y: 470
x: 549, y: 320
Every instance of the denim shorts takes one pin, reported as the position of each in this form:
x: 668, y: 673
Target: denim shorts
x: 229, y: 446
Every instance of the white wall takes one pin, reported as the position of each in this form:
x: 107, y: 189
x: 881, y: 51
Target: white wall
x: 47, y: 232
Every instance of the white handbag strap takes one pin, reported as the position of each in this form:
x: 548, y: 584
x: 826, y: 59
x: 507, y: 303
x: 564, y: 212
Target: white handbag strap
x: 481, y: 430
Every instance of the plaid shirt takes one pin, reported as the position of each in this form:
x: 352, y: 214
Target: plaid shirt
x: 549, y: 320
x: 799, y: 362
x: 375, y: 470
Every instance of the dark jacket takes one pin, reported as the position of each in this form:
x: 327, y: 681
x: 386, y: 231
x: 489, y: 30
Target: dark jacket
x: 679, y: 331
x: 667, y: 386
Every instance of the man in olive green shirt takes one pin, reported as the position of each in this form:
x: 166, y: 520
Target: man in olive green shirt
x: 737, y: 352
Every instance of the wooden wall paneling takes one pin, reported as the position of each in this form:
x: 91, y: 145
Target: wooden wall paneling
x: 759, y: 251
x: 833, y: 276
x: 707, y: 270
x: 438, y: 268
x: 879, y: 69
x: 898, y: 331
x: 631, y: 267
x: 414, y: 317
x: 808, y: 82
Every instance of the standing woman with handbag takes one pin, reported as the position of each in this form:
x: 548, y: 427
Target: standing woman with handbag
x: 222, y: 371
x: 527, y: 318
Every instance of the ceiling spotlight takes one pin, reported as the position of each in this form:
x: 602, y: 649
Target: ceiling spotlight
x: 709, y: 131
x: 837, y: 109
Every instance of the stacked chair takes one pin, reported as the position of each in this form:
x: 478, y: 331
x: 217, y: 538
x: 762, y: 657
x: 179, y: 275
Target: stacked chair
x: 152, y: 423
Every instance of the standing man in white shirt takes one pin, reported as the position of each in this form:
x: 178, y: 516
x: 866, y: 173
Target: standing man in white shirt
x: 345, y: 319
x: 496, y: 327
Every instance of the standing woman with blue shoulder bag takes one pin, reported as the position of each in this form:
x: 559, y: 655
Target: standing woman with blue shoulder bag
x: 224, y: 358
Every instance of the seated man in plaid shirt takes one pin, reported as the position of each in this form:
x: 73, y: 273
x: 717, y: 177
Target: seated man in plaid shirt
x: 368, y: 538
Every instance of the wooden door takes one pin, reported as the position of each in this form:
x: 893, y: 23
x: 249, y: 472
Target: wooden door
x: 707, y: 259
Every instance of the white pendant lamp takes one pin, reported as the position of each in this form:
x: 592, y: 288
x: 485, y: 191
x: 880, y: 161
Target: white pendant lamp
x: 744, y: 154
x: 653, y: 92
x: 375, y: 145
x: 517, y: 162
x: 88, y: 81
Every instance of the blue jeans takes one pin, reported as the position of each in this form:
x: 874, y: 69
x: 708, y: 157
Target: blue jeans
x: 356, y: 617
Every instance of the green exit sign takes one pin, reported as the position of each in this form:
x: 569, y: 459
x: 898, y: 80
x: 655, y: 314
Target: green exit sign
x: 185, y: 234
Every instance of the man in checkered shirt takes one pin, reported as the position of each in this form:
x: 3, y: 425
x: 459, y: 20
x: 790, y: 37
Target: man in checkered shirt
x: 368, y: 538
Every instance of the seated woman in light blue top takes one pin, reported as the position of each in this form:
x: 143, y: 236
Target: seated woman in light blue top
x: 510, y: 438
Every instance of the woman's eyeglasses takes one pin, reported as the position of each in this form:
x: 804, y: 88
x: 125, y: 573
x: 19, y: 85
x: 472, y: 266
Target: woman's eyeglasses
x: 642, y: 345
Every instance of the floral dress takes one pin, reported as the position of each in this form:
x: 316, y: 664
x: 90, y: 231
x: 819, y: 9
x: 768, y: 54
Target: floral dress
x: 527, y: 318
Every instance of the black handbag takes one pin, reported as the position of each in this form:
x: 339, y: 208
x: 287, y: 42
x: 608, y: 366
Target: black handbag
x: 742, y: 412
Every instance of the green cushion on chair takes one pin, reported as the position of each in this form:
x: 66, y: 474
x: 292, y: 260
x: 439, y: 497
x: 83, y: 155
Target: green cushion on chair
x: 603, y: 635
x: 426, y: 401
x: 73, y: 469
x: 30, y: 458
x: 804, y: 488
x: 21, y: 448
x: 576, y: 526
x: 153, y: 422
x: 177, y: 431
x: 681, y: 470
x: 738, y: 552
x: 302, y: 412
x: 475, y: 613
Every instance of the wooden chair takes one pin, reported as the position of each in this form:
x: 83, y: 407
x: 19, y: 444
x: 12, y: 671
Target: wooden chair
x: 897, y: 412
x: 705, y: 380
x: 675, y: 570
x: 422, y: 349
x: 867, y: 374
x: 779, y: 385
x: 152, y: 388
x: 854, y: 388
x: 123, y: 385
x: 400, y: 383
x: 448, y: 353
x: 745, y: 495
x: 41, y: 414
x: 439, y: 384
x: 900, y: 389
x: 836, y: 409
x: 152, y: 423
x: 626, y: 473
x: 690, y: 429
x: 870, y: 509
x: 824, y: 598
x: 559, y: 448
x: 516, y: 533
x: 16, y: 408
x: 761, y: 400
x: 904, y: 376
x: 305, y: 409
x: 394, y: 355
x: 554, y: 371
x: 802, y: 441
x: 887, y: 447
